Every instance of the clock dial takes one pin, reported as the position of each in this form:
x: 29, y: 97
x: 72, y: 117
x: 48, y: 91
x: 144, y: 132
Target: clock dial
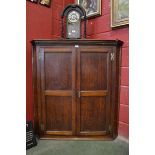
x: 73, y: 17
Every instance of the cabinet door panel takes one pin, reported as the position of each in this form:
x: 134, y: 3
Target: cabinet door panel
x: 94, y: 90
x: 58, y: 89
x: 58, y: 71
x: 93, y: 71
x: 92, y: 113
x: 58, y: 113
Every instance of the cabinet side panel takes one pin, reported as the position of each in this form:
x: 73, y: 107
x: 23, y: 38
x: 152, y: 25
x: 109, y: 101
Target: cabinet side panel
x: 35, y: 99
x: 117, y: 88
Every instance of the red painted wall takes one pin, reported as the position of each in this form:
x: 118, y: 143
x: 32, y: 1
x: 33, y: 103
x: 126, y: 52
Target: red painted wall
x: 43, y: 22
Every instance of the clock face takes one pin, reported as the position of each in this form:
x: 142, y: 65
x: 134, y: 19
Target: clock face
x: 73, y: 17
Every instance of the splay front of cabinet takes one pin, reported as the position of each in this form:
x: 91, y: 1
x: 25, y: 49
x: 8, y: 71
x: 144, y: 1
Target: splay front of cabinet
x: 76, y: 88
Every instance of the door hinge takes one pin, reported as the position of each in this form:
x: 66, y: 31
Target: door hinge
x: 79, y: 94
x: 112, y: 56
x: 40, y: 55
x: 42, y: 127
x: 110, y: 129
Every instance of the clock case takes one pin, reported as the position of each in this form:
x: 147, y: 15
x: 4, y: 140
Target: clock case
x: 68, y: 9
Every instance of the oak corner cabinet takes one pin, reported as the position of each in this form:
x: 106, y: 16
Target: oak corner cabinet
x: 76, y: 88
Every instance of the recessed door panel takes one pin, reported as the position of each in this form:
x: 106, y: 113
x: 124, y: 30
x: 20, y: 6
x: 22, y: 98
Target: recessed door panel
x: 58, y: 71
x: 93, y: 71
x: 58, y: 113
x: 93, y: 111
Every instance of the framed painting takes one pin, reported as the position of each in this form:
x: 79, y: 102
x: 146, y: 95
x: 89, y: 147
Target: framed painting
x: 33, y: 1
x: 45, y: 2
x: 92, y: 7
x: 119, y: 13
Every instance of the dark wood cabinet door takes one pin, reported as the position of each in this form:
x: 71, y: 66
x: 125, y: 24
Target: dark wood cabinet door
x: 57, y: 66
x: 93, y: 86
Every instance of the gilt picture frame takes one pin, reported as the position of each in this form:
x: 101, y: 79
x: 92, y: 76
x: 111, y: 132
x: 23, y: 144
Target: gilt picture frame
x: 92, y: 7
x: 33, y: 1
x: 45, y: 2
x: 119, y: 13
